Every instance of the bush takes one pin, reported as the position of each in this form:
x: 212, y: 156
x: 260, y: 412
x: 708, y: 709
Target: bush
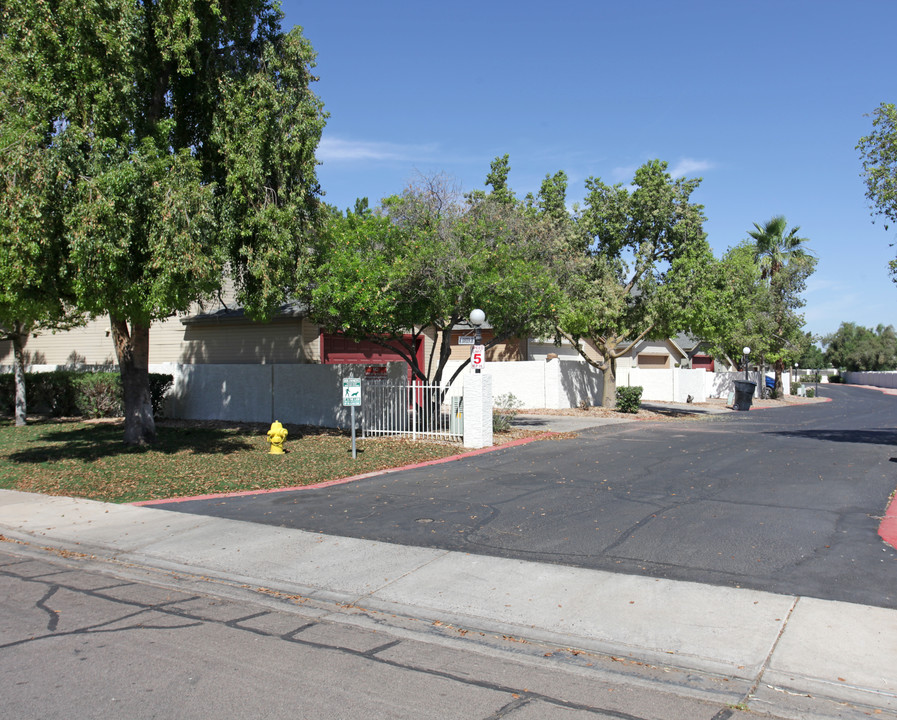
x: 811, y: 392
x: 159, y: 385
x: 50, y: 393
x: 504, y: 410
x: 72, y: 393
x: 99, y: 394
x: 629, y: 399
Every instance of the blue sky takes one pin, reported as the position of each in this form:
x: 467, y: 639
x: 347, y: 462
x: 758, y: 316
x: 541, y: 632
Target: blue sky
x: 764, y: 100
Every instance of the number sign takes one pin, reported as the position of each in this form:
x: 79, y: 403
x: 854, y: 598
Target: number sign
x: 478, y: 356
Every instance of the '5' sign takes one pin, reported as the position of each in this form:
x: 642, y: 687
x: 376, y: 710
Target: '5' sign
x: 478, y: 356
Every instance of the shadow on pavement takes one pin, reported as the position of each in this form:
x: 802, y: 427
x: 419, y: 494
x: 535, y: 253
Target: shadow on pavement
x: 873, y: 436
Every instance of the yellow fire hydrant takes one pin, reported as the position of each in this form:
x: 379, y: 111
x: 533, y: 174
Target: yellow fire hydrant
x: 276, y: 435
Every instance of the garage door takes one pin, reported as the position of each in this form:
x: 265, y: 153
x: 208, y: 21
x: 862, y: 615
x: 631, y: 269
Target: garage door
x: 337, y: 349
x: 702, y: 362
x: 653, y: 362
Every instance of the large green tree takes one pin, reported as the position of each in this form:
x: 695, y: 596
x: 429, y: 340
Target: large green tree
x: 424, y: 260
x: 182, y: 137
x: 636, y: 265
x: 857, y: 348
x: 36, y: 288
x: 738, y: 304
x: 878, y: 151
x: 785, y: 264
x: 813, y: 357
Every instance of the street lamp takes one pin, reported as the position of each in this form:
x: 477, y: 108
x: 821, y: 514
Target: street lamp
x: 747, y: 351
x: 477, y: 318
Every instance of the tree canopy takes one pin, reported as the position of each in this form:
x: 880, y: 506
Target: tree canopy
x: 785, y: 264
x: 812, y: 357
x: 878, y: 151
x: 167, y: 146
x: 636, y: 265
x: 424, y: 260
x: 857, y: 348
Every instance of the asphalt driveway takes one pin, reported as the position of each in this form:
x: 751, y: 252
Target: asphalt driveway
x: 786, y: 500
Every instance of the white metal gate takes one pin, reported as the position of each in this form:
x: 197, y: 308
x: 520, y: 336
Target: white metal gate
x: 412, y: 410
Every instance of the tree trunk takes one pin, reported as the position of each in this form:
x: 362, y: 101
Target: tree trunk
x: 779, y: 386
x: 609, y: 391
x: 19, y: 362
x: 132, y: 351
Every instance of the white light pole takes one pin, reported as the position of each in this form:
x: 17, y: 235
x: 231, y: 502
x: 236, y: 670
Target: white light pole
x: 747, y: 351
x: 477, y: 318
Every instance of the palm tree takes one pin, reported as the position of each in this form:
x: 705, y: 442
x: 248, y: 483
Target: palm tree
x: 776, y: 249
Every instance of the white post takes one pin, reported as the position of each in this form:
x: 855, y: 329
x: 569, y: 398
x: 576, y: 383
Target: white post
x: 413, y: 409
x: 477, y: 410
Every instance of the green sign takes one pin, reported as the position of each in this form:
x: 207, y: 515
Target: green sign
x: 351, y: 392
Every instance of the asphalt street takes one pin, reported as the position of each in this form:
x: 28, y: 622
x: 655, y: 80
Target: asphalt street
x: 784, y: 500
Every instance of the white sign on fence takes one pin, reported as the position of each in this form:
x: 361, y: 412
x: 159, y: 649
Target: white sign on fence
x: 351, y: 392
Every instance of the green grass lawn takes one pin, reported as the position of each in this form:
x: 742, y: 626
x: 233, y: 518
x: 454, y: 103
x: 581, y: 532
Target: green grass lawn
x: 89, y: 459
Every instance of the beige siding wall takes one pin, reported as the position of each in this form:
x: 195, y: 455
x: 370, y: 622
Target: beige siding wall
x: 284, y: 340
x: 89, y: 344
x: 279, y: 341
x: 311, y: 338
x: 652, y: 350
x: 287, y: 340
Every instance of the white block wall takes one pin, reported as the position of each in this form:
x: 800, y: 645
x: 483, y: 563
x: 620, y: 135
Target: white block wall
x: 539, y: 384
x: 875, y: 379
x: 720, y: 384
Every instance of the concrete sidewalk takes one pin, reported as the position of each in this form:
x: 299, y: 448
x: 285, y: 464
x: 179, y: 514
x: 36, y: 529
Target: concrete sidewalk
x: 790, y: 656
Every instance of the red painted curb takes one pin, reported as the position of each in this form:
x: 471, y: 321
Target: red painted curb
x: 353, y: 478
x: 887, y: 530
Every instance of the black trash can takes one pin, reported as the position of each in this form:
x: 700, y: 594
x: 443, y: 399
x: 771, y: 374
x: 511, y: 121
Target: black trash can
x: 744, y: 394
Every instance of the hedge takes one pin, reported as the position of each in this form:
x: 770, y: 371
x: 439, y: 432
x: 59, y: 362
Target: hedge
x: 72, y: 393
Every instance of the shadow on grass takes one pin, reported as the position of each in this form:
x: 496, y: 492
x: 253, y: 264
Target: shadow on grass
x: 58, y: 440
x: 54, y: 440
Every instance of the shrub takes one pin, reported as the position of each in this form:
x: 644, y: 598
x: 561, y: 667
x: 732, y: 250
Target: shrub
x: 48, y: 393
x: 99, y: 394
x: 504, y: 410
x: 159, y: 385
x: 72, y: 393
x: 811, y: 392
x: 629, y: 399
